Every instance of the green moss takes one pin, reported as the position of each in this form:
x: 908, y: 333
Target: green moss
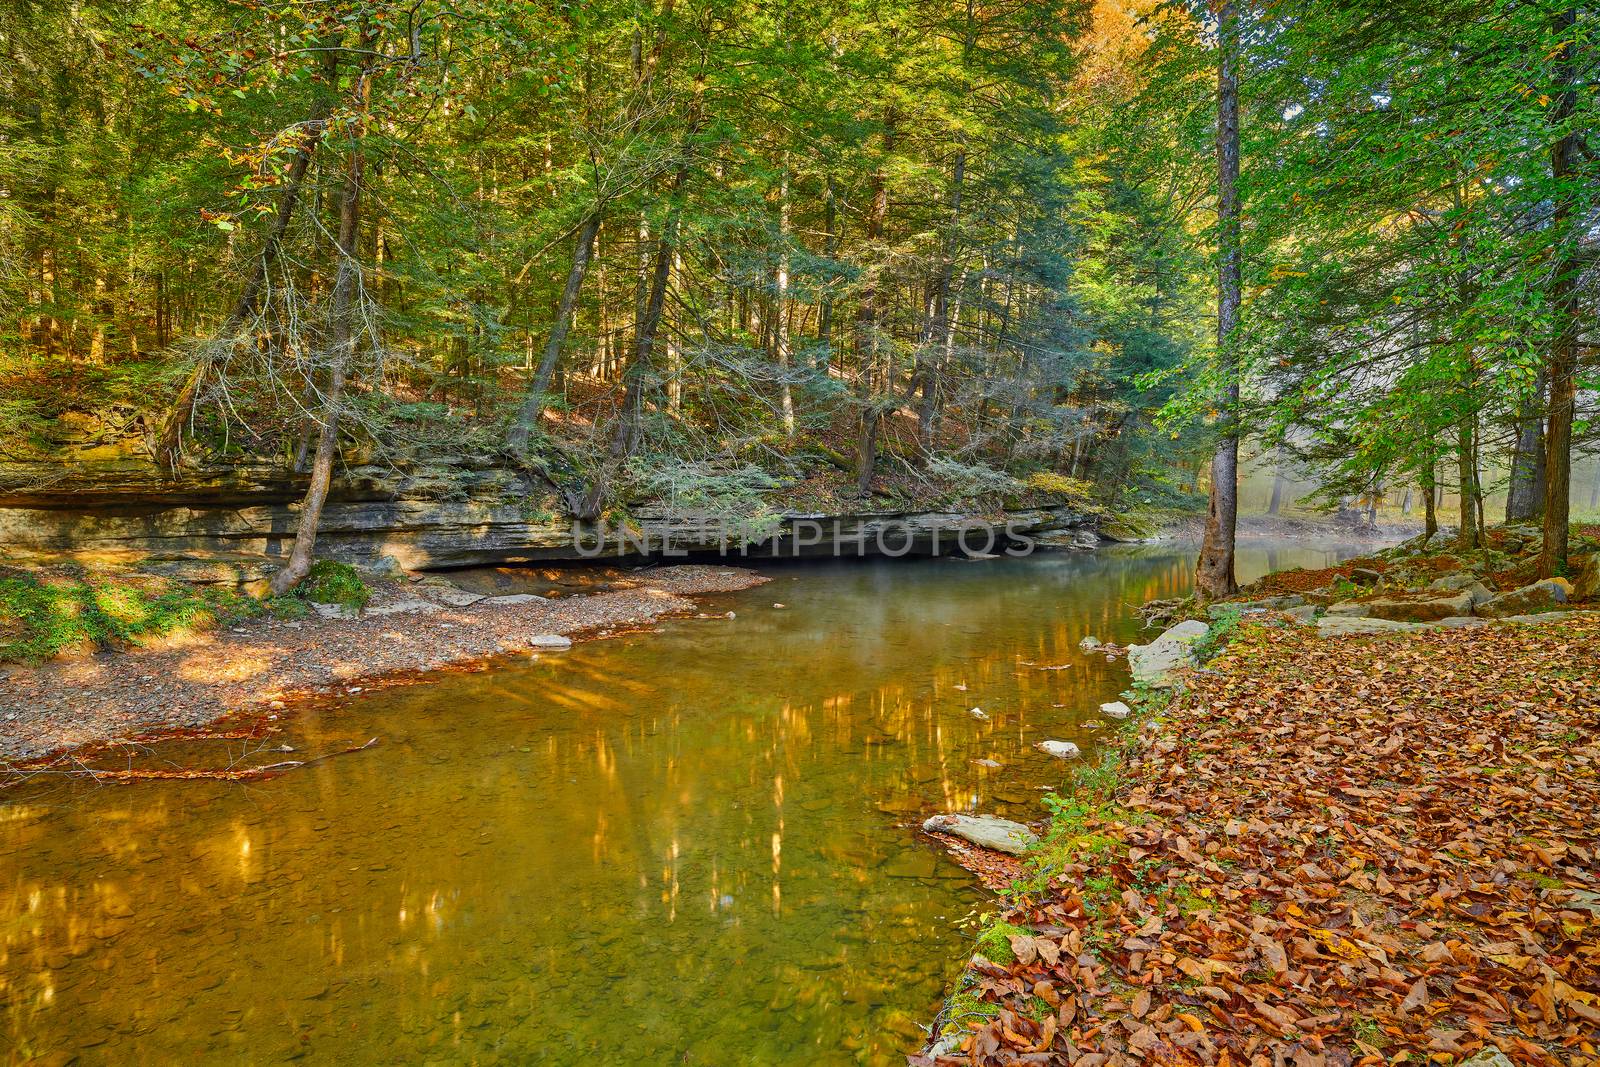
x: 966, y: 1010
x: 42, y: 617
x: 331, y: 582
x: 994, y: 943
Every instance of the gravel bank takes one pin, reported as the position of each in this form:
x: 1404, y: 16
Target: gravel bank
x: 407, y: 630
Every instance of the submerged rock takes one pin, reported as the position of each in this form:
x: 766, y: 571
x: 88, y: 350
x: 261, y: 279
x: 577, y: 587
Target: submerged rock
x: 1060, y: 749
x: 985, y: 831
x: 550, y: 641
x: 979, y: 714
x: 1089, y: 643
x: 1154, y: 664
x: 1543, y: 595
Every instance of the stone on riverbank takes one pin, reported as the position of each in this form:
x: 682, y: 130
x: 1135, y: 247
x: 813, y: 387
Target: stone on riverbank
x: 456, y: 597
x: 1271, y: 603
x: 1116, y: 710
x: 1419, y: 608
x: 985, y: 831
x: 1543, y: 595
x: 1154, y: 664
x: 511, y: 599
x: 549, y: 641
x: 1060, y: 749
x: 1343, y: 625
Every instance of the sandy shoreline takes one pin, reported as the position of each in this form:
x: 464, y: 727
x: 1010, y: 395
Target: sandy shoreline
x: 263, y: 664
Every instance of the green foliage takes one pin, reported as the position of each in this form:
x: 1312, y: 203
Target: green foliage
x: 977, y: 482
x: 45, y: 616
x: 332, y: 582
x: 1223, y: 627
x: 736, y: 495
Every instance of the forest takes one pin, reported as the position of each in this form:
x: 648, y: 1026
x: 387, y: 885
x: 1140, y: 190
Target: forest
x: 414, y: 415
x: 821, y: 254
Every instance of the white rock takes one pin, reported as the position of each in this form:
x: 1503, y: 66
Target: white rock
x: 979, y: 714
x: 1544, y: 617
x: 1089, y: 643
x: 1154, y: 664
x: 549, y: 641
x: 1060, y: 749
x: 401, y: 607
x: 1340, y: 626
x: 985, y: 831
x: 1116, y: 710
x: 1488, y: 1056
x: 512, y: 599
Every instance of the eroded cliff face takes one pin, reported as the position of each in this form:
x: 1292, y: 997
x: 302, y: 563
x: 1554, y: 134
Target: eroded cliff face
x: 237, y: 520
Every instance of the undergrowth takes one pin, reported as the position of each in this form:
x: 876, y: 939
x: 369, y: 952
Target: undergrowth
x: 331, y: 582
x: 45, y: 616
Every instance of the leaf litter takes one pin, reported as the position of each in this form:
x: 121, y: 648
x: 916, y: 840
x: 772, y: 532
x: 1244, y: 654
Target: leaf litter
x: 1328, y: 852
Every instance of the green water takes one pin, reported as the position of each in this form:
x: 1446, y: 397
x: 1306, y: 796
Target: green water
x: 693, y: 846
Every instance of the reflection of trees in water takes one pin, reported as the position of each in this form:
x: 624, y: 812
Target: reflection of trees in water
x: 692, y: 823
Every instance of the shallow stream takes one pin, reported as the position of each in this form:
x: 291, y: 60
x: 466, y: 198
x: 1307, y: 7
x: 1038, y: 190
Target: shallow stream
x: 692, y: 846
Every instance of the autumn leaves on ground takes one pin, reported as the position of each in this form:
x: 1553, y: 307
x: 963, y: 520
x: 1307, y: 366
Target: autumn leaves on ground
x: 1359, y: 850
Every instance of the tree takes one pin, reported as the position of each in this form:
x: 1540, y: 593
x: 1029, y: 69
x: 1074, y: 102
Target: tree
x: 1214, y: 577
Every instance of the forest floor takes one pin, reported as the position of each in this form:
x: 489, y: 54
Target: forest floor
x: 264, y: 664
x: 1323, y: 851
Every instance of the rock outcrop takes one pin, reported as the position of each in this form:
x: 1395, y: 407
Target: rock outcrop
x: 235, y: 522
x: 1547, y: 594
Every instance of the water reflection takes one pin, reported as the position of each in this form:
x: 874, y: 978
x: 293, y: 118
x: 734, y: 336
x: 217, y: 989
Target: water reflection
x: 683, y: 847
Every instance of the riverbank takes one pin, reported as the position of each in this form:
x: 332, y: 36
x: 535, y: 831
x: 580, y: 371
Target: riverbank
x: 263, y: 664
x: 1328, y: 848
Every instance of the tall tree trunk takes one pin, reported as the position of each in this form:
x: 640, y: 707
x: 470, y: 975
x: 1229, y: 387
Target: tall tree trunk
x: 341, y: 346
x: 1467, y: 467
x: 830, y: 248
x: 1277, y: 489
x: 533, y: 405
x: 780, y: 310
x: 1563, y: 361
x: 930, y: 353
x: 870, y: 321
x: 1214, y: 575
x: 1430, y: 503
x: 1525, y: 494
